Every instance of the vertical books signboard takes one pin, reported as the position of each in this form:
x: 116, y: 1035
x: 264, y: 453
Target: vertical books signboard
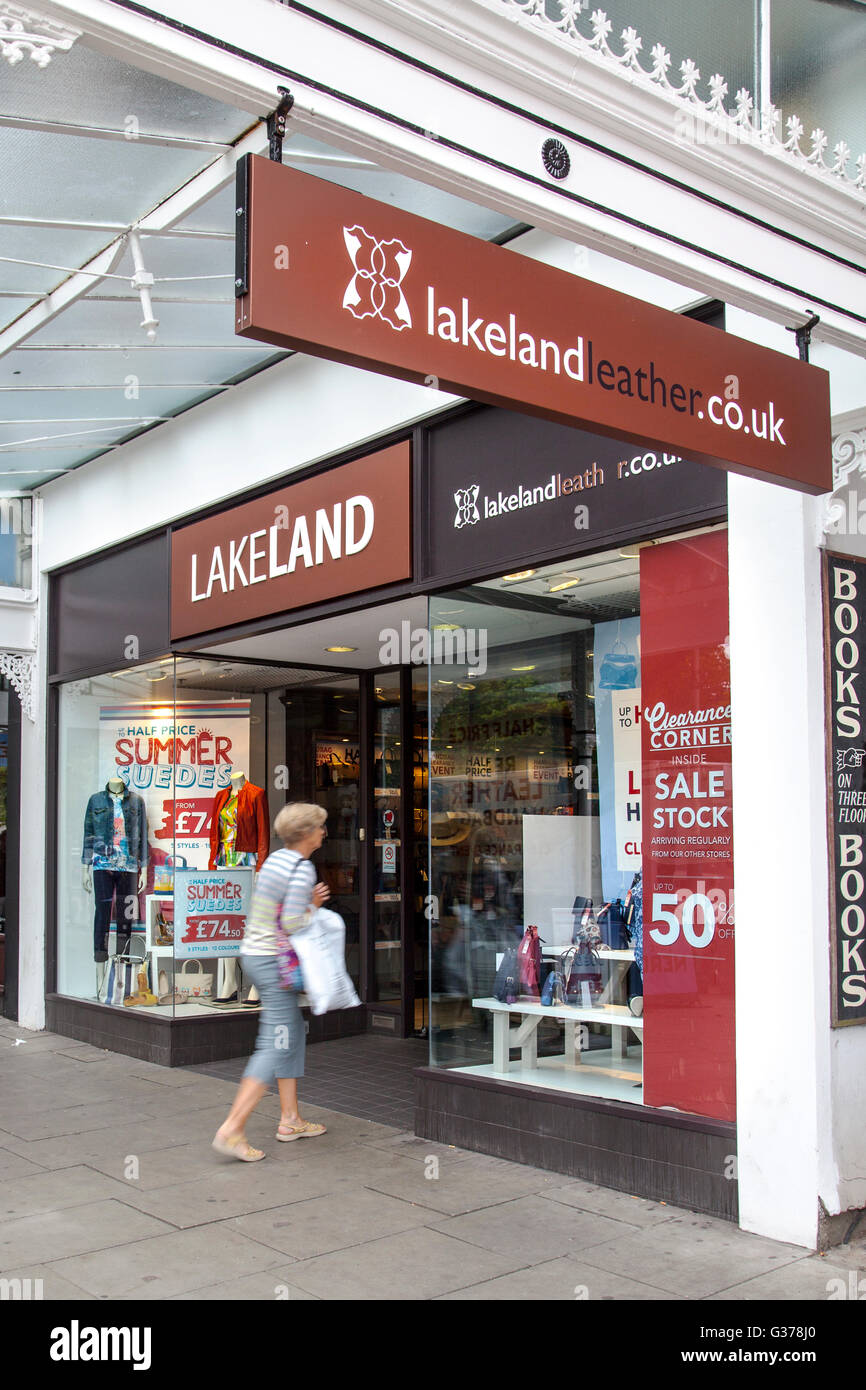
x: 845, y: 626
x: 688, y: 927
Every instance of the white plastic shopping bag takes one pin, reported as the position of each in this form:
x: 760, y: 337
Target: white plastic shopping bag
x: 321, y: 949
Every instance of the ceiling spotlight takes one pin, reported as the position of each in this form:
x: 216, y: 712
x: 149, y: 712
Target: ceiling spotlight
x: 446, y: 627
x: 565, y: 581
x: 523, y: 668
x: 465, y: 685
x: 341, y: 649
x: 518, y: 577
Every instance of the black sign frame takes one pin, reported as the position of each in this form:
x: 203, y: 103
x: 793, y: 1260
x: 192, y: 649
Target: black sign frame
x: 844, y: 593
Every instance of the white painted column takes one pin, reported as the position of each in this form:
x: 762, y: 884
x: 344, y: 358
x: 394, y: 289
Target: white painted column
x: 31, y: 902
x: 780, y: 860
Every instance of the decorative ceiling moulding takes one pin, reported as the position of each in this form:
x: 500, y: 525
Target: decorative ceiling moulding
x: 742, y: 125
x: 27, y: 33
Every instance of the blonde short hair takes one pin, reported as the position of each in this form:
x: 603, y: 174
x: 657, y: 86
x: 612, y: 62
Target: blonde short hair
x: 297, y: 820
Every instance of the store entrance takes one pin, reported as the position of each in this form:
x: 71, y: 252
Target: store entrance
x: 349, y: 732
x: 357, y: 746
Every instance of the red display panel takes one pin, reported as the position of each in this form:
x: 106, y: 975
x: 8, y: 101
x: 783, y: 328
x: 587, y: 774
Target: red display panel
x: 688, y: 878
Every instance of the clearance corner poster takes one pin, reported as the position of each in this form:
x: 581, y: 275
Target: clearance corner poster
x: 688, y: 883
x: 177, y: 757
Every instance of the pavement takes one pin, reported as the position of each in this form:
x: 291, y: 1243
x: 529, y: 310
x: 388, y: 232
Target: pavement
x: 109, y: 1190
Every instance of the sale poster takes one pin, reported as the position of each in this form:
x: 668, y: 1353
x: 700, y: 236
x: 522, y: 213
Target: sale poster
x: 210, y: 911
x: 616, y: 663
x: 177, y: 757
x: 688, y: 897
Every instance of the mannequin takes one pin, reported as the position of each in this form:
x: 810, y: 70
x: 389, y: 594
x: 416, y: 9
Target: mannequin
x: 239, y: 838
x: 240, y: 833
x: 114, y: 858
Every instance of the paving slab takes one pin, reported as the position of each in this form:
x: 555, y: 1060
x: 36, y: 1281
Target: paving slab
x: 693, y: 1256
x: 604, y: 1201
x: 54, y: 1235
x: 417, y: 1264
x: 13, y: 1166
x: 53, y: 1286
x: 460, y: 1187
x: 144, y: 1136
x: 562, y: 1281
x: 75, y: 1119
x: 272, y: 1286
x: 532, y: 1228
x: 55, y: 1189
x: 333, y: 1222
x: 410, y: 1146
x: 166, y: 1265
x: 815, y: 1280
x: 231, y: 1190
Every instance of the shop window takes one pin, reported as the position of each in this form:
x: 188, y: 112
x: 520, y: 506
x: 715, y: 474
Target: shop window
x: 579, y: 776
x: 170, y: 776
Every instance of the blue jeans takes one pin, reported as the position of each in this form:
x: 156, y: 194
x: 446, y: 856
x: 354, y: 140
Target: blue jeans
x: 282, y: 1032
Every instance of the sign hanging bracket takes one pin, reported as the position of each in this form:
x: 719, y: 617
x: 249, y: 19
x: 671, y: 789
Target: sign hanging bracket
x: 803, y: 336
x: 277, y: 125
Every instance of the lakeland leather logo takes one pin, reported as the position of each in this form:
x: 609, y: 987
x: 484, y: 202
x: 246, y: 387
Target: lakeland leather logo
x: 375, y: 291
x: 466, y: 499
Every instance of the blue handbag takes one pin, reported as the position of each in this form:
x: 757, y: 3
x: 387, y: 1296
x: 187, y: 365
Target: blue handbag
x: 618, y: 669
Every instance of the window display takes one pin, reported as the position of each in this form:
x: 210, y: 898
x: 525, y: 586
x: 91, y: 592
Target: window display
x: 170, y: 775
x: 538, y: 847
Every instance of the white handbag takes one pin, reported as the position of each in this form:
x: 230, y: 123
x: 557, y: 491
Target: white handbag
x: 196, y: 986
x: 321, y: 949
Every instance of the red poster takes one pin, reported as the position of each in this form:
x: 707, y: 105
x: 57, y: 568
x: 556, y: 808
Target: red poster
x: 688, y: 838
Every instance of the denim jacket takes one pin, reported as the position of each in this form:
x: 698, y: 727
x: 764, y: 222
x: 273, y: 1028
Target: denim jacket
x: 99, y: 826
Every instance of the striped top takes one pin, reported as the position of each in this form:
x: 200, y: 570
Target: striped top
x: 281, y: 895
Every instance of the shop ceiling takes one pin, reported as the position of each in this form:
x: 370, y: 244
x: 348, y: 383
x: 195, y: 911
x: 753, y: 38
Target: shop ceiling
x: 547, y: 601
x: 107, y: 169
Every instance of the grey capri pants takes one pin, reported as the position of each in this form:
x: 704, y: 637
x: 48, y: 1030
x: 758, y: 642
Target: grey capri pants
x: 281, y: 1040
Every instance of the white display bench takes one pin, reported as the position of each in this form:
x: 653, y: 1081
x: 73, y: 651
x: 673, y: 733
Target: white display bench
x: 617, y: 1017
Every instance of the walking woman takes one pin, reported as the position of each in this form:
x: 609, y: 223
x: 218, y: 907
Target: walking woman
x: 286, y: 894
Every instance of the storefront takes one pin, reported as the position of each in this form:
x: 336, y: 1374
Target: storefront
x: 496, y: 647
x: 458, y: 676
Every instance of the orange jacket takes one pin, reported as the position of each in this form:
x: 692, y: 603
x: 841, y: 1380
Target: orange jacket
x: 254, y: 831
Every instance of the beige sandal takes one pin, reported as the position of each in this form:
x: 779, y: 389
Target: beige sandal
x: 239, y: 1147
x: 307, y: 1130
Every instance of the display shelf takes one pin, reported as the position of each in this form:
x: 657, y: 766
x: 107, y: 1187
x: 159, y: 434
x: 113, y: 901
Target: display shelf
x: 387, y: 791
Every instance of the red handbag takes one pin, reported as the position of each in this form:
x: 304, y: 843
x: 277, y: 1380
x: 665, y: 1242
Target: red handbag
x: 529, y: 963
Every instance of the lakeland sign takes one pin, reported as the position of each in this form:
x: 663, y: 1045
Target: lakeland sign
x: 335, y: 274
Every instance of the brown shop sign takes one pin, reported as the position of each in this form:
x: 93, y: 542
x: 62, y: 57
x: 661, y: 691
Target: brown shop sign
x: 340, y: 532
x: 338, y: 275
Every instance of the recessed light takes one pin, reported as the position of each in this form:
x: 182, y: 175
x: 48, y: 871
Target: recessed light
x: 523, y: 668
x: 517, y: 576
x: 564, y: 582
x: 465, y: 685
x: 446, y: 627
x: 341, y: 649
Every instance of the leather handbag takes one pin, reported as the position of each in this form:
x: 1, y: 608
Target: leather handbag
x: 506, y: 986
x: 583, y: 980
x: 529, y: 963
x: 586, y: 930
x: 612, y: 926
x: 553, y: 993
